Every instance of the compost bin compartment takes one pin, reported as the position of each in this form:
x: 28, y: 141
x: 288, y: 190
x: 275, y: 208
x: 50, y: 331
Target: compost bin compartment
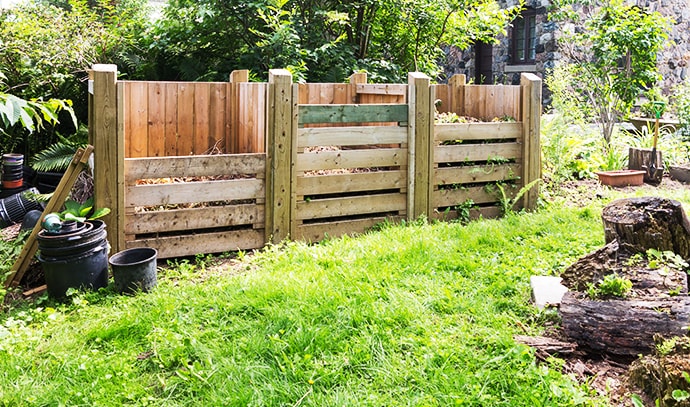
x: 76, y: 259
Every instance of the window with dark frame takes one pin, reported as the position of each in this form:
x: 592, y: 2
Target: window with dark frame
x: 524, y: 40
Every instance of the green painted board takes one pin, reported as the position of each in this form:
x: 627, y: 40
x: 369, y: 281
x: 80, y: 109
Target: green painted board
x: 352, y: 113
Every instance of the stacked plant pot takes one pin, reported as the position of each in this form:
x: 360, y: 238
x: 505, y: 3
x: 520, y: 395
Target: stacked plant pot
x: 15, y: 207
x: 12, y: 171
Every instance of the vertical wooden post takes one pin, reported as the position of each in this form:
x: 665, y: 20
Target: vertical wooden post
x: 531, y: 148
x: 109, y: 158
x: 279, y: 163
x: 420, y: 148
x: 232, y: 140
x: 356, y: 78
x: 457, y: 94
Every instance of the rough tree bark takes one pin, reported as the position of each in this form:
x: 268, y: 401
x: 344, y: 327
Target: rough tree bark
x: 659, y: 302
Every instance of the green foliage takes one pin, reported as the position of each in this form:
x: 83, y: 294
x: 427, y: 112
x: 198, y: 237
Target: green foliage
x: 82, y: 211
x: 613, y: 56
x: 9, y: 251
x: 56, y: 157
x: 422, y: 314
x: 612, y: 285
x: 324, y: 41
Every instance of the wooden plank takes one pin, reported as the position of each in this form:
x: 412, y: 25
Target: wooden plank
x: 531, y: 153
x: 202, y: 99
x: 194, y: 218
x: 279, y: 155
x: 352, y: 113
x: 258, y: 144
x: 382, y: 89
x: 193, y: 192
x: 171, y: 132
x: 423, y: 109
x: 314, y: 232
x: 477, y: 131
x: 476, y: 173
x: 349, y: 206
x: 457, y: 92
x: 484, y: 212
x: 351, y: 136
x: 217, y: 124
x: 137, y: 118
x: 329, y: 160
x: 355, y: 182
x: 108, y: 151
x: 495, y: 152
x: 443, y: 98
x: 78, y: 163
x: 189, y: 245
x: 117, y: 234
x: 479, y: 195
x: 194, y: 166
x: 156, y: 120
x: 185, y: 118
x: 341, y: 94
x: 234, y: 141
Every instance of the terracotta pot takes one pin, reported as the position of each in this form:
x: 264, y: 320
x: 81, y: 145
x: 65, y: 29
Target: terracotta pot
x: 621, y: 178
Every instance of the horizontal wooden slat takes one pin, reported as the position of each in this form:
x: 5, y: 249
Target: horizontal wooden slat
x: 191, y: 192
x: 477, y: 152
x: 315, y: 232
x: 477, y: 131
x: 194, y: 218
x: 476, y: 173
x: 189, y: 245
x: 329, y: 160
x: 479, y: 195
x: 365, y: 181
x: 349, y: 206
x: 352, y: 113
x: 382, y: 88
x: 194, y: 166
x: 486, y: 212
x: 351, y: 136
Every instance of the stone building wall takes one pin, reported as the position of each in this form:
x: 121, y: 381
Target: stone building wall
x: 674, y: 60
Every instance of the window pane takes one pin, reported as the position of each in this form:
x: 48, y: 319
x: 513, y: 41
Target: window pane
x: 532, y: 38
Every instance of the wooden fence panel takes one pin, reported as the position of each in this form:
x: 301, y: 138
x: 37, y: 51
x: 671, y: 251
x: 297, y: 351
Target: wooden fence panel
x: 178, y: 206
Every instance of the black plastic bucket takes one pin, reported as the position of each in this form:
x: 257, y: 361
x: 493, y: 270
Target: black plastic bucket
x: 134, y: 269
x: 75, y: 260
x: 13, y: 208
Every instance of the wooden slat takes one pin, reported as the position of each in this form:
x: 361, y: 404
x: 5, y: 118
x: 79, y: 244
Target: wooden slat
x: 202, y: 96
x: 350, y: 136
x: 477, y: 131
x: 217, y: 125
x: 156, y: 120
x: 479, y: 195
x: 194, y: 166
x: 137, y: 119
x: 457, y: 94
x: 335, y: 183
x: 194, y: 218
x: 189, y: 245
x: 382, y: 89
x: 171, y: 132
x: 443, y: 98
x: 314, y: 232
x: 185, y: 118
x: 477, y: 152
x: 485, y: 212
x: 329, y: 160
x: 422, y: 108
x: 531, y: 153
x: 352, y: 113
x: 192, y: 192
x: 349, y: 206
x: 476, y: 173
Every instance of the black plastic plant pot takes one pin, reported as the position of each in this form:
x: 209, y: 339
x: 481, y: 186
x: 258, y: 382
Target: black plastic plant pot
x: 134, y: 269
x: 88, y: 270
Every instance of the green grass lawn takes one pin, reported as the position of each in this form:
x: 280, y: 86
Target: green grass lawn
x: 414, y: 315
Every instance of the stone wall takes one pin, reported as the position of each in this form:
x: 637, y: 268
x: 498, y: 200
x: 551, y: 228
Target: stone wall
x: 674, y: 60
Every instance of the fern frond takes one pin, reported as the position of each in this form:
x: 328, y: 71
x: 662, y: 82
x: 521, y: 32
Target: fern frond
x: 56, y: 157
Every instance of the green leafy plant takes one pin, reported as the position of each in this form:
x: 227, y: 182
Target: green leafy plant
x: 506, y: 203
x: 612, y: 285
x: 464, y: 209
x: 82, y: 211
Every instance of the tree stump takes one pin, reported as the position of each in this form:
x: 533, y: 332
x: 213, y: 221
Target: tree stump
x: 640, y: 158
x: 658, y: 302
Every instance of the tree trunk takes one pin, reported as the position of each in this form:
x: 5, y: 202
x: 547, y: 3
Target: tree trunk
x: 641, y: 158
x: 620, y: 327
x: 639, y: 224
